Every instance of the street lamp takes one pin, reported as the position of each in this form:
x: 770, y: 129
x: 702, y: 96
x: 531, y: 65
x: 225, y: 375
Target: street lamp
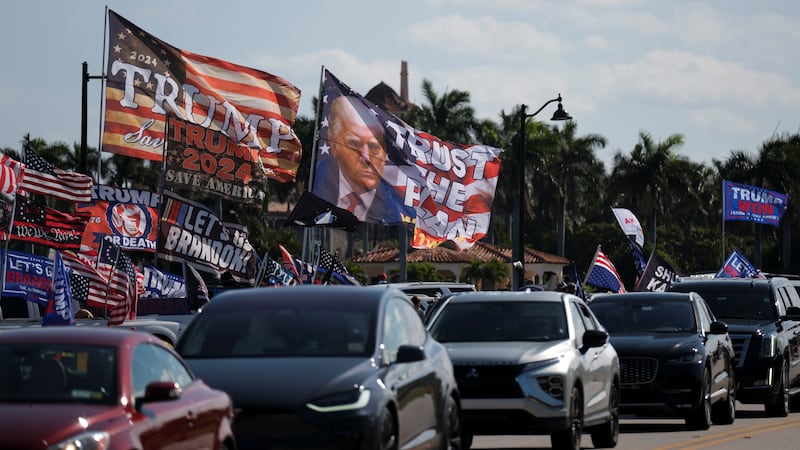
x: 518, y: 236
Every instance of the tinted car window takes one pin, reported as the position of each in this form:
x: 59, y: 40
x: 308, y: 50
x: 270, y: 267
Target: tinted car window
x: 147, y: 368
x: 652, y: 315
x: 728, y: 303
x: 500, y: 321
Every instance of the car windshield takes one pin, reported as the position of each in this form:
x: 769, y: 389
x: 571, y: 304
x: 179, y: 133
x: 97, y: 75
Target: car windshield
x: 737, y: 302
x: 622, y: 316
x: 281, y: 331
x: 499, y: 321
x: 57, y: 373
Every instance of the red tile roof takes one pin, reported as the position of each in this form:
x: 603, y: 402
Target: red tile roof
x: 481, y: 251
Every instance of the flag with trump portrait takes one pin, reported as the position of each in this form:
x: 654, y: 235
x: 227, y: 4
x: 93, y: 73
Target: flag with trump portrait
x: 401, y: 175
x: 146, y: 79
x: 127, y: 217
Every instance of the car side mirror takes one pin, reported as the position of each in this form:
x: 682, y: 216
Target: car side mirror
x: 159, y: 391
x: 410, y: 353
x: 718, y: 327
x: 594, y: 338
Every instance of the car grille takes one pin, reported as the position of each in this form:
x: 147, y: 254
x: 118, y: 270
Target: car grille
x: 488, y: 381
x: 740, y: 344
x: 637, y: 370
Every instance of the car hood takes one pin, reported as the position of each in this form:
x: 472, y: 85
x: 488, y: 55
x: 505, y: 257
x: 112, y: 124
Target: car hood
x: 650, y: 344
x: 281, y: 381
x: 508, y: 352
x: 31, y: 425
x: 747, y: 326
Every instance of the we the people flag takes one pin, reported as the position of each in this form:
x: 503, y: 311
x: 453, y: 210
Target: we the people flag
x: 46, y: 226
x: 147, y: 79
x: 446, y: 189
x: 202, y: 159
x: 752, y: 204
x: 41, y: 177
x: 127, y: 217
x: 190, y: 231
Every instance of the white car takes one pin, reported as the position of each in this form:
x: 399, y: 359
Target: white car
x: 531, y: 363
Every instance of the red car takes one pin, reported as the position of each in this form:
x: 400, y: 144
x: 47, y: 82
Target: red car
x: 98, y: 389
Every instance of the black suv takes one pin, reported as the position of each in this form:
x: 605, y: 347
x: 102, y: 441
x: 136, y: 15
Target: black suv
x: 763, y: 317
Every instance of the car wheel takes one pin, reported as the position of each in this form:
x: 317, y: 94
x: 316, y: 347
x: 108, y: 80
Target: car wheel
x: 452, y: 438
x: 700, y: 418
x: 466, y: 441
x: 606, y: 435
x: 570, y: 438
x: 780, y: 406
x: 387, y: 434
x: 724, y: 412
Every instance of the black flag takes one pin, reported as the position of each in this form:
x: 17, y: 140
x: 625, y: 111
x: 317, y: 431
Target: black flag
x: 312, y: 211
x: 657, y: 275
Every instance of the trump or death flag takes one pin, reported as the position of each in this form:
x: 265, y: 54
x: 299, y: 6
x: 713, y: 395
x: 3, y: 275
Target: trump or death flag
x: 148, y: 79
x: 603, y: 274
x: 752, y: 204
x: 127, y: 217
x: 446, y: 189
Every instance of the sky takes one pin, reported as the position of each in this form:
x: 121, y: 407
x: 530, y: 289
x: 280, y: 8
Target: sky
x: 724, y: 73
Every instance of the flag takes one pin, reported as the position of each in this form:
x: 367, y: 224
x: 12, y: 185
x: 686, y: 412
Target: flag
x: 657, y: 276
x: 122, y: 285
x: 738, y: 266
x: 603, y: 274
x: 11, y: 171
x: 41, y: 177
x: 752, y: 204
x: 638, y: 256
x: 629, y: 224
x: 27, y: 276
x: 446, y: 189
x: 46, y: 226
x: 330, y: 264
x: 288, y: 263
x: 161, y: 284
x: 575, y: 278
x: 196, y: 289
x: 276, y: 274
x: 59, y: 305
x: 313, y: 211
x: 89, y: 287
x: 249, y: 106
x: 127, y: 216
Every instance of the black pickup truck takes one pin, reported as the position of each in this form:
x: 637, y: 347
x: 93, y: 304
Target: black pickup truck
x: 763, y: 317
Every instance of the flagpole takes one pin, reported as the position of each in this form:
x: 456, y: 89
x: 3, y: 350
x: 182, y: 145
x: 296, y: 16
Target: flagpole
x: 591, y: 264
x: 724, y: 206
x: 6, y: 243
x: 161, y: 190
x: 320, y: 97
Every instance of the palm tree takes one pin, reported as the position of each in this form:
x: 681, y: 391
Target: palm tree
x: 578, y: 175
x: 448, y: 117
x: 641, y: 178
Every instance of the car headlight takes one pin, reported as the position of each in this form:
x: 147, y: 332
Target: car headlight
x: 769, y: 346
x: 341, y: 401
x: 88, y: 440
x: 686, y: 358
x: 539, y: 364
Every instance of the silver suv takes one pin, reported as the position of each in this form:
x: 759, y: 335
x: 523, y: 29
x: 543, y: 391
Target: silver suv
x: 531, y: 362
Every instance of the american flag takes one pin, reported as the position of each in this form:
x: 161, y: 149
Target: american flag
x: 252, y: 106
x: 88, y: 286
x: 11, y: 171
x: 41, y: 177
x: 329, y: 262
x: 603, y: 274
x: 122, y: 285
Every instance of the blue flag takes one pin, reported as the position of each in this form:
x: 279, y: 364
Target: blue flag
x: 59, y: 301
x: 752, y: 204
x: 738, y: 266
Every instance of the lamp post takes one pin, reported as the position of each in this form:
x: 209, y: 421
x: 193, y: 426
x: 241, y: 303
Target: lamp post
x: 518, y: 236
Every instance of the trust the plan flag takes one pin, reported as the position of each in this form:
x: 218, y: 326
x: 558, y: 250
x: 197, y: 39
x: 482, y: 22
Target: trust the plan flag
x: 148, y: 79
x: 752, y: 204
x: 446, y: 189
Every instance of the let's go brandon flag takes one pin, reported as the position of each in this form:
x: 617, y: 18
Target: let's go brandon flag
x: 148, y: 79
